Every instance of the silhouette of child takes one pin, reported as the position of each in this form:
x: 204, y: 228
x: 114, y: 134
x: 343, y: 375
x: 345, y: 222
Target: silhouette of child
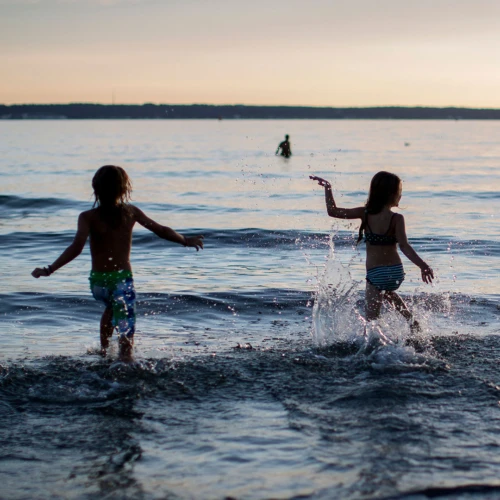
x: 382, y: 230
x: 109, y: 225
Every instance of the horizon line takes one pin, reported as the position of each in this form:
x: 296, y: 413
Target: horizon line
x: 400, y: 106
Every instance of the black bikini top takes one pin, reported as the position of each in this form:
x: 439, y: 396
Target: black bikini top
x: 380, y: 239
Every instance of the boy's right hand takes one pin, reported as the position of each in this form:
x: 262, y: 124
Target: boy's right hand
x: 322, y: 182
x: 194, y: 241
x: 40, y: 271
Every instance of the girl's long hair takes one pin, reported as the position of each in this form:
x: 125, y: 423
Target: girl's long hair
x: 112, y: 190
x: 384, y: 190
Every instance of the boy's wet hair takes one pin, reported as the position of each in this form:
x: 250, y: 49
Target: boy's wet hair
x: 111, y: 186
x: 384, y: 190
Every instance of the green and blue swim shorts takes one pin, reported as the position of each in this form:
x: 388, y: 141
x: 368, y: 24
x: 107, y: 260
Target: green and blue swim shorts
x: 116, y: 290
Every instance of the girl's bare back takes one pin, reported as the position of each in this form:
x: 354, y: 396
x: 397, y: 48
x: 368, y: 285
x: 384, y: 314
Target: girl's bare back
x: 384, y: 225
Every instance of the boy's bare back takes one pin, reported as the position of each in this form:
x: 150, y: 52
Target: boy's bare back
x: 110, y: 244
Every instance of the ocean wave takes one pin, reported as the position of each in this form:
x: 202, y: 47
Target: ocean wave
x: 28, y: 304
x: 89, y: 378
x: 22, y: 203
x: 261, y: 238
x: 470, y: 195
x: 459, y: 492
x: 250, y: 237
x: 252, y: 302
x: 51, y: 205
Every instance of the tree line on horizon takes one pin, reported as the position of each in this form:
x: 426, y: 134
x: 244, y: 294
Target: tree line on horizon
x: 82, y: 111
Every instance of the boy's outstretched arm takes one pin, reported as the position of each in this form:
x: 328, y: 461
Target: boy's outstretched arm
x: 331, y: 207
x: 73, y: 251
x: 167, y: 233
x: 407, y: 249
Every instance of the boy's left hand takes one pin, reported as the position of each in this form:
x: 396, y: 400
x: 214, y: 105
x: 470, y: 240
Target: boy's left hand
x: 195, y: 241
x: 40, y: 271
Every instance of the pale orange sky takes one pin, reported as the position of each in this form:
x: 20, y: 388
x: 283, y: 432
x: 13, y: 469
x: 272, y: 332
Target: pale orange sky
x: 316, y: 52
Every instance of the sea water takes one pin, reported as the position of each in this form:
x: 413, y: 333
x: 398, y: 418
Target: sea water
x: 251, y: 377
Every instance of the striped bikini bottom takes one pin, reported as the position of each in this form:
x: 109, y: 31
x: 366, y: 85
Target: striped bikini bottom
x: 386, y: 278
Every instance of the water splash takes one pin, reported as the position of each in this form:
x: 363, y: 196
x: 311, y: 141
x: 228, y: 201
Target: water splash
x: 387, y: 342
x: 336, y: 316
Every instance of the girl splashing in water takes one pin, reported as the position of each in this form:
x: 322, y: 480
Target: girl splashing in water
x: 109, y: 225
x: 382, y: 230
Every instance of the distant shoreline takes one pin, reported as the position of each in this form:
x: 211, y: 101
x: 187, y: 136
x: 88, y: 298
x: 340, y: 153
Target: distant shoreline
x: 83, y: 111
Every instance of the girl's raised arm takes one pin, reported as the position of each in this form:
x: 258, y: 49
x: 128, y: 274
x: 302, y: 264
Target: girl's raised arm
x: 331, y: 207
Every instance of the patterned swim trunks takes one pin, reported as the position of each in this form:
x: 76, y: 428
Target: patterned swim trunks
x: 116, y: 290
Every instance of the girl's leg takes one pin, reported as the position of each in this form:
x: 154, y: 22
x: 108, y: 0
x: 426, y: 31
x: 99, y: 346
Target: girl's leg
x: 106, y: 327
x: 398, y: 303
x: 373, y: 298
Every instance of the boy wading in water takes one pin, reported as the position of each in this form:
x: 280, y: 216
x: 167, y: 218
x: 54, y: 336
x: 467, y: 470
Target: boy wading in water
x: 109, y: 225
x: 383, y: 230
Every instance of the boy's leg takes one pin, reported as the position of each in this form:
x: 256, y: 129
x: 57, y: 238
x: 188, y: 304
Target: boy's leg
x: 126, y: 344
x: 106, y: 327
x: 124, y: 314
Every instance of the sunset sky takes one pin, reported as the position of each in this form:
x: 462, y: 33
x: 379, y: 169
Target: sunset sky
x: 275, y: 52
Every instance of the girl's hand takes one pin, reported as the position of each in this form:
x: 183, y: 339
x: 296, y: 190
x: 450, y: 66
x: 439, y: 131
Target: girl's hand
x: 427, y: 274
x: 40, y: 271
x: 194, y: 241
x: 321, y: 182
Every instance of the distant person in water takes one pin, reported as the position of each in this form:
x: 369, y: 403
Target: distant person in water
x: 382, y: 230
x: 285, y: 147
x: 109, y: 225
